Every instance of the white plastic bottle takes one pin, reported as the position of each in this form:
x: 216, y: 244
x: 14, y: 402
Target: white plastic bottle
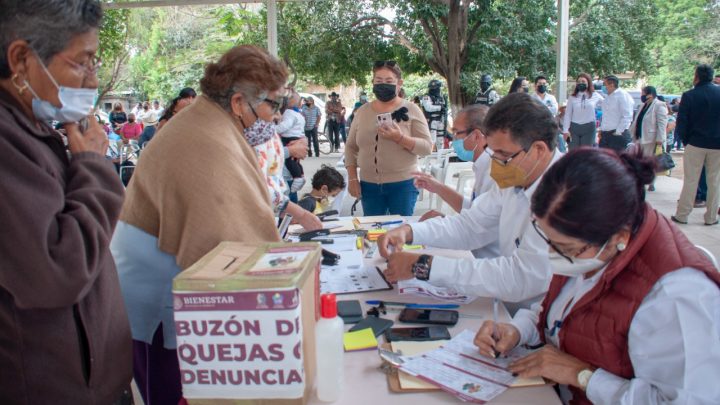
x: 329, y: 350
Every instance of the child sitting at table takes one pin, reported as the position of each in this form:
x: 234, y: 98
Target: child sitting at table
x: 327, y: 183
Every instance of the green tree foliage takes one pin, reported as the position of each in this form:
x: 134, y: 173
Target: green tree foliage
x: 113, y: 49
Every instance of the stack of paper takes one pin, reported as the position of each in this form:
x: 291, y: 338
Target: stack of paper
x: 363, y: 339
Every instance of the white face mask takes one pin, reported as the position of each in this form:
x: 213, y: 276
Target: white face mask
x: 76, y: 103
x: 562, y: 267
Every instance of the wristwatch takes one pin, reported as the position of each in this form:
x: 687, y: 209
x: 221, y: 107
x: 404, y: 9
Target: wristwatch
x: 421, y: 268
x: 584, y: 378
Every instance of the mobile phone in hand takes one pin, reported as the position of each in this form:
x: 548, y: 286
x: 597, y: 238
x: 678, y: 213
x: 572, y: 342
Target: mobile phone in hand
x: 384, y: 119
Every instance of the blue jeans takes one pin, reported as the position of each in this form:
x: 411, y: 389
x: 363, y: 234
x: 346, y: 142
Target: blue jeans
x: 389, y: 198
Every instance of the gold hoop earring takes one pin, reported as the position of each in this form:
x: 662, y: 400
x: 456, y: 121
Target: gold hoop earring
x: 20, y: 89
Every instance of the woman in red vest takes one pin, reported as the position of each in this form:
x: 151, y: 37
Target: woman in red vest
x: 632, y: 315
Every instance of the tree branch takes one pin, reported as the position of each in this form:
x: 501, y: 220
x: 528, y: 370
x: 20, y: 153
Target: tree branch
x: 377, y: 21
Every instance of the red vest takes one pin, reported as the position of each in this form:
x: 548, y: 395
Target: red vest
x: 596, y: 329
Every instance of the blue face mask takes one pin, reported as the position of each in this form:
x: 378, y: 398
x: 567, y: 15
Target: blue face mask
x: 462, y: 153
x: 76, y: 102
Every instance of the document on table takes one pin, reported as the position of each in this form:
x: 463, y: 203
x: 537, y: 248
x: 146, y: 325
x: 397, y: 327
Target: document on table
x: 458, y: 368
x: 350, y: 275
x: 422, y: 288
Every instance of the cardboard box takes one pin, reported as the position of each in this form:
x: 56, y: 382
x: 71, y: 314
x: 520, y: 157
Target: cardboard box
x: 245, y: 322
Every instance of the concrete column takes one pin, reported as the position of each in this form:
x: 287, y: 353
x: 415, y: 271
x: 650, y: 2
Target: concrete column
x: 272, y: 27
x: 561, y: 67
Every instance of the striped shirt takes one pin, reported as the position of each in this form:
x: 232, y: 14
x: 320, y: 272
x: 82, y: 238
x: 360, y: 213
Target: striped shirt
x: 312, y: 116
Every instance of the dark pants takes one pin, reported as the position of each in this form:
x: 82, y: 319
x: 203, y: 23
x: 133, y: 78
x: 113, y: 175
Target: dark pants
x: 334, y: 133
x: 581, y: 135
x: 343, y: 132
x: 701, y: 194
x: 156, y: 371
x: 617, y: 143
x: 293, y: 165
x: 313, y: 142
x: 147, y: 135
x: 389, y: 198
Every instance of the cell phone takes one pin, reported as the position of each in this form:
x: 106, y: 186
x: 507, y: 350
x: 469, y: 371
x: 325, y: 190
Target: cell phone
x: 384, y: 118
x: 378, y: 325
x: 417, y: 334
x: 431, y: 316
x: 350, y: 311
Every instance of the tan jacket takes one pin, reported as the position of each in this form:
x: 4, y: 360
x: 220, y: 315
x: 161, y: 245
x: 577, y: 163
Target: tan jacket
x: 654, y: 123
x: 381, y: 160
x: 64, y: 334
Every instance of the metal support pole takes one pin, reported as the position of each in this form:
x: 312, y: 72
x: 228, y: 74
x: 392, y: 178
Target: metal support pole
x: 561, y: 67
x: 272, y: 27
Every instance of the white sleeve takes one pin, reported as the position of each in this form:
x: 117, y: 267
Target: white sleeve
x: 286, y: 123
x: 674, y: 344
x: 521, y: 275
x: 470, y: 229
x: 626, y: 111
x: 526, y: 320
x: 428, y: 105
x: 568, y: 115
x: 553, y: 105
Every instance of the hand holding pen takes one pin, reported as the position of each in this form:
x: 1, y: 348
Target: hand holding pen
x: 494, y: 339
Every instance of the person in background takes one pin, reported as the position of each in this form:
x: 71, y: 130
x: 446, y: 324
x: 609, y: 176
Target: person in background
x: 158, y: 110
x: 487, y: 94
x: 617, y: 115
x: 137, y: 109
x: 622, y: 272
x: 131, y: 130
x: 716, y: 80
x: 184, y: 99
x: 434, y: 106
x: 63, y: 326
x: 117, y: 116
x: 327, y: 183
x: 670, y: 138
x: 149, y: 120
x: 650, y: 124
x: 312, y: 116
x: 579, y: 123
x: 386, y: 153
x: 698, y: 124
x: 291, y: 128
x: 343, y: 126
x: 333, y: 111
x: 220, y: 194
x: 519, y: 85
x: 522, y: 135
x: 541, y: 93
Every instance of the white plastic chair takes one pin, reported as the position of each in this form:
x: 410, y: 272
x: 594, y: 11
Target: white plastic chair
x: 709, y: 255
x: 451, y: 179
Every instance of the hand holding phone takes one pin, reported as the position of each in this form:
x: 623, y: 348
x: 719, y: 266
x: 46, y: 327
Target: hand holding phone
x: 384, y: 119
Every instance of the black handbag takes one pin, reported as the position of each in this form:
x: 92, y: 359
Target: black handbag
x: 664, y: 162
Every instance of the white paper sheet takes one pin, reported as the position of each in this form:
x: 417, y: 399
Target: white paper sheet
x: 421, y: 288
x: 350, y: 275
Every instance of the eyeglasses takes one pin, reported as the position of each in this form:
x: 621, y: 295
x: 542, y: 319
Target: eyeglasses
x: 504, y: 162
x: 462, y: 132
x: 383, y: 63
x: 90, y: 67
x: 566, y: 255
x: 274, y: 104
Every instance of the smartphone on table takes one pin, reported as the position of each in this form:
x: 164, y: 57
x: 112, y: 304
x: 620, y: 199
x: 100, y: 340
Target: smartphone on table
x: 417, y: 334
x: 429, y: 316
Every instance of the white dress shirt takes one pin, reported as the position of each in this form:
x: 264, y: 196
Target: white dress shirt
x: 483, y: 181
x: 581, y: 109
x: 673, y: 341
x: 520, y: 272
x: 549, y: 101
x: 617, y: 111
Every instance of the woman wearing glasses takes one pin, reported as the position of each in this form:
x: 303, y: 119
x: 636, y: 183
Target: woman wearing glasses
x: 578, y: 124
x: 633, y: 310
x: 386, y: 138
x: 198, y: 183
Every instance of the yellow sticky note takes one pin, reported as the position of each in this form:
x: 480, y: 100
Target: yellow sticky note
x: 359, y: 340
x: 412, y: 247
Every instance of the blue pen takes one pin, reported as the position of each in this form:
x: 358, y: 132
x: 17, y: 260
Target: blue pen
x: 411, y: 305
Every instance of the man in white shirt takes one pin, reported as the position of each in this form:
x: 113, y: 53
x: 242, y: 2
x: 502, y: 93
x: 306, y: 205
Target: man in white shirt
x: 521, y: 134
x: 617, y: 116
x: 541, y: 88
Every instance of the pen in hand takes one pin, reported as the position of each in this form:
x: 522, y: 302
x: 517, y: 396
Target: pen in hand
x: 495, y: 335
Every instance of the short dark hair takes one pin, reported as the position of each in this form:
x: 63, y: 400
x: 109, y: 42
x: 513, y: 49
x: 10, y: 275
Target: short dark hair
x: 650, y: 90
x: 541, y: 77
x: 48, y: 26
x: 613, y: 79
x: 591, y: 194
x: 328, y: 176
x: 704, y: 73
x: 526, y: 118
x: 187, y: 92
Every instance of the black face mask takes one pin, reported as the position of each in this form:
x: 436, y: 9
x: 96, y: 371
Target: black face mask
x: 542, y: 89
x: 526, y: 89
x: 675, y: 107
x: 434, y: 92
x: 582, y: 87
x: 643, y: 98
x: 484, y: 86
x: 384, y: 91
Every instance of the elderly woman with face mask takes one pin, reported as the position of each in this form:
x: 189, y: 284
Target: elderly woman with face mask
x: 632, y: 315
x: 178, y: 209
x: 63, y: 328
x: 386, y: 138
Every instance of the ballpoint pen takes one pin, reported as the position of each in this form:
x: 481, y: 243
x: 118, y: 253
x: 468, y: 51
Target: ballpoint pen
x: 412, y: 305
x: 379, y: 224
x: 495, y: 335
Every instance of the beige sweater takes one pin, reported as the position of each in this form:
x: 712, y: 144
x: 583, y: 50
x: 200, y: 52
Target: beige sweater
x: 198, y: 183
x: 381, y: 160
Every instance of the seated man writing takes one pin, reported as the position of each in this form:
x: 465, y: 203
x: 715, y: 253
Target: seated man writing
x: 521, y: 135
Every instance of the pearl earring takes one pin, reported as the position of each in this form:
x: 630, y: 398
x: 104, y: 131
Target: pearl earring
x: 621, y: 246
